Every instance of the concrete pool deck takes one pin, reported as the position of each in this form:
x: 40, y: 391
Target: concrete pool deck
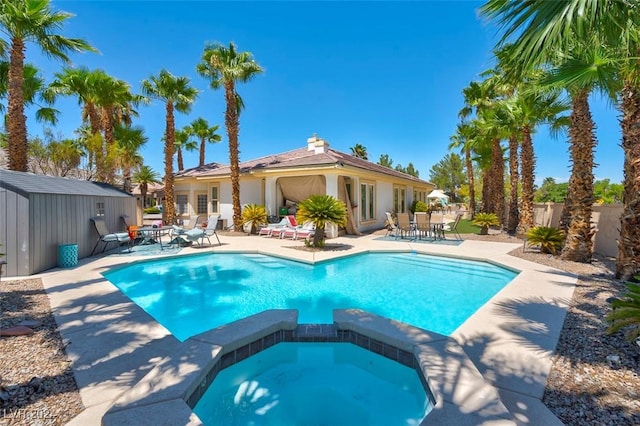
x: 113, y: 343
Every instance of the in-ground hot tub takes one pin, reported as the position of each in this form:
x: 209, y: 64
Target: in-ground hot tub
x: 315, y: 383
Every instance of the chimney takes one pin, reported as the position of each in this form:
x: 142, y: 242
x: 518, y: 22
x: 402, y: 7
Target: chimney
x: 317, y: 145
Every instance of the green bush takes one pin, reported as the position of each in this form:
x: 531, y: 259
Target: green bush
x: 549, y: 239
x: 152, y: 210
x: 253, y: 215
x: 485, y: 220
x: 626, y: 312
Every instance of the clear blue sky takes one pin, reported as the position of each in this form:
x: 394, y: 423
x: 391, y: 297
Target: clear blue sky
x: 387, y: 75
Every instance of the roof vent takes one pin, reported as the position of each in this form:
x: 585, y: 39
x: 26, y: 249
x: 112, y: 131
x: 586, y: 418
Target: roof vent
x: 317, y: 145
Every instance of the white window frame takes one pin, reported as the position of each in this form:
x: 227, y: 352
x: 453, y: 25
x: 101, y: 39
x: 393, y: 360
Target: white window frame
x: 214, y: 202
x: 367, y: 201
x: 186, y: 212
x: 399, y: 199
x: 197, y: 203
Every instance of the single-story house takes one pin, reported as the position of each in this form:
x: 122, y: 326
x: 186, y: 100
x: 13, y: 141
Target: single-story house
x: 280, y: 181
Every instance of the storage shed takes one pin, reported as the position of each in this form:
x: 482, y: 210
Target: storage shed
x: 39, y: 213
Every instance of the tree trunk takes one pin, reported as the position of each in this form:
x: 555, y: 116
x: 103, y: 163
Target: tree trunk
x: 527, y: 164
x: 514, y: 178
x: 318, y: 237
x: 233, y: 128
x: 16, y: 120
x: 578, y: 246
x: 108, y: 114
x: 628, y: 259
x: 169, y: 209
x: 202, y: 142
x: 471, y: 180
x: 180, y: 160
x: 486, y: 202
x: 497, y: 185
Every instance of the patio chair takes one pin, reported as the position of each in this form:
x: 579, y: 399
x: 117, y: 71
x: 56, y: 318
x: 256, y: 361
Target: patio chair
x: 392, y: 228
x: 210, y: 230
x: 437, y: 225
x: 453, y: 226
x: 404, y: 225
x: 107, y: 237
x: 423, y: 224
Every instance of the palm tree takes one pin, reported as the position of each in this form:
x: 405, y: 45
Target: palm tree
x: 321, y: 210
x: 200, y: 129
x: 33, y: 88
x: 23, y: 22
x: 182, y: 141
x: 144, y: 176
x: 224, y: 67
x: 359, y: 151
x: 177, y: 95
x: 463, y: 139
x: 571, y: 36
x: 129, y: 140
x: 106, y: 103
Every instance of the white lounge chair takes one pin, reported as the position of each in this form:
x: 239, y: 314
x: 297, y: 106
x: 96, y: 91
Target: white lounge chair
x: 267, y: 230
x: 199, y: 234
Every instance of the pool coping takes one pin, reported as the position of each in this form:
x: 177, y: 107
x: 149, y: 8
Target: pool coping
x: 510, y: 339
x: 188, y: 372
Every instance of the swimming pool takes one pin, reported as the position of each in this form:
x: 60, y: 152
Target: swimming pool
x: 315, y: 384
x: 192, y: 294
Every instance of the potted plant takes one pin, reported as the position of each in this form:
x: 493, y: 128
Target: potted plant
x: 485, y: 220
x: 253, y: 216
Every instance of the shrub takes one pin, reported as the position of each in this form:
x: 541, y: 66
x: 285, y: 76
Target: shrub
x: 253, y: 215
x: 152, y: 210
x: 321, y: 210
x: 549, y: 239
x: 626, y: 312
x: 485, y: 220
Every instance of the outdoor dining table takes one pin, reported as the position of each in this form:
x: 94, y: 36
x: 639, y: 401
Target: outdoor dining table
x: 153, y: 234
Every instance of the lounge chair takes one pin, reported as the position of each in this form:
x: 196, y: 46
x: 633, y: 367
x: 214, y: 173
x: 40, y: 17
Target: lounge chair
x: 107, y: 237
x: 267, y: 230
x: 305, y: 231
x: 290, y: 224
x: 199, y: 234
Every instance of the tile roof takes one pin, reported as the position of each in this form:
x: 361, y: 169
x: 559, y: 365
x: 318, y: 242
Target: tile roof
x: 301, y: 157
x: 29, y: 183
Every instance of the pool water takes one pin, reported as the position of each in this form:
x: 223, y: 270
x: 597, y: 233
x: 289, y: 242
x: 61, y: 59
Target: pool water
x: 314, y: 384
x: 192, y: 294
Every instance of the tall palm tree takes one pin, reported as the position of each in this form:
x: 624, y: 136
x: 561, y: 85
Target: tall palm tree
x: 224, y: 66
x: 177, y: 95
x: 571, y: 36
x: 360, y: 151
x: 182, y: 141
x: 144, y: 176
x: 200, y: 129
x: 24, y: 21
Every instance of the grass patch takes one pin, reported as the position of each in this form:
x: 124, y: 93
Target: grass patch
x: 467, y: 227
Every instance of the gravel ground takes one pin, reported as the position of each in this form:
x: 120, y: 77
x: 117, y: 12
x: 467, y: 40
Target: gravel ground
x: 594, y: 379
x: 37, y: 386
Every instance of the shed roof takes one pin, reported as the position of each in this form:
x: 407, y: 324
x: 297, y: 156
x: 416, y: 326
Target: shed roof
x: 29, y: 183
x: 301, y: 157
